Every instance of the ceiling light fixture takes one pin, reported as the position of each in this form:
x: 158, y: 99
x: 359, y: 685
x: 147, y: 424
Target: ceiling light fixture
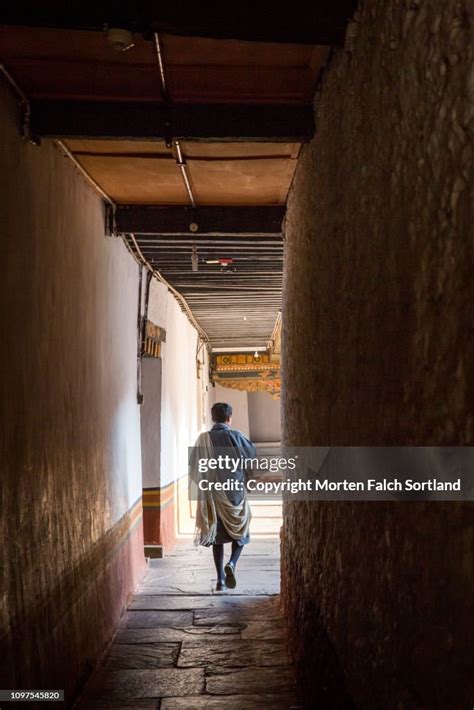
x: 194, y: 259
x: 221, y: 262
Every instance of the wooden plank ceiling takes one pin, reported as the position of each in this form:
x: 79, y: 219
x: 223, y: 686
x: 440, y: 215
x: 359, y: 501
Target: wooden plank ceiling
x: 236, y: 290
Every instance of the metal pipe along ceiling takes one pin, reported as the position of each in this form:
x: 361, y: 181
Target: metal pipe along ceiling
x: 180, y: 160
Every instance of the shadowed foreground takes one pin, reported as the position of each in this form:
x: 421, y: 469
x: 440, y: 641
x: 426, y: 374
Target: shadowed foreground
x: 181, y: 645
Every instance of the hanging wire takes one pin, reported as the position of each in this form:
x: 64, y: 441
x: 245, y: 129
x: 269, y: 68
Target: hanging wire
x: 24, y: 106
x: 84, y: 173
x: 178, y: 295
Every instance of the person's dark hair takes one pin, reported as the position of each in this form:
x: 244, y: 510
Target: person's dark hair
x: 221, y: 412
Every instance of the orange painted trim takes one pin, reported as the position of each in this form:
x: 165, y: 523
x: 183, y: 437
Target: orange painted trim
x: 159, y: 526
x: 134, y: 515
x: 158, y: 497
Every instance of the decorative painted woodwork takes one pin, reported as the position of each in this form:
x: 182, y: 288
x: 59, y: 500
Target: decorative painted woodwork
x: 154, y: 336
x: 245, y: 372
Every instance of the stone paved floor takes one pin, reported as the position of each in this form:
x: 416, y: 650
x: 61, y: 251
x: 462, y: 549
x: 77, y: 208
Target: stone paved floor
x: 183, y: 646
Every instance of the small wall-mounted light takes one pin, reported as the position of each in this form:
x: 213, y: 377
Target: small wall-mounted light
x: 121, y: 40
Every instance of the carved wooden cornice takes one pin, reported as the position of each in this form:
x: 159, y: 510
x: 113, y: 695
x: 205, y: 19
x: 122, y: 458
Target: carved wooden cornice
x: 244, y: 362
x: 248, y: 373
x: 273, y: 386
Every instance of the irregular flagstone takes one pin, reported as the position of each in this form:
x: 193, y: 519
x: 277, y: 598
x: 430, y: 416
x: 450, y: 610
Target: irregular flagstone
x: 159, y: 683
x: 183, y: 602
x: 231, y: 702
x: 263, y: 630
x: 167, y: 565
x: 263, y: 547
x: 150, y: 655
x: 163, y: 635
x: 237, y: 613
x: 154, y: 619
x: 252, y: 588
x: 225, y: 681
x: 176, y: 587
x: 232, y: 654
x: 210, y: 617
x: 250, y: 582
x: 107, y: 703
x: 185, y: 646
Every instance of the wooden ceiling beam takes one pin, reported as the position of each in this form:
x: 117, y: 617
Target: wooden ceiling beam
x: 287, y: 123
x: 144, y: 219
x: 320, y: 22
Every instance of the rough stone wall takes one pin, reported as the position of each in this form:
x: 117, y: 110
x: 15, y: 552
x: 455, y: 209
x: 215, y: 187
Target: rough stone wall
x: 71, y: 544
x: 378, y: 350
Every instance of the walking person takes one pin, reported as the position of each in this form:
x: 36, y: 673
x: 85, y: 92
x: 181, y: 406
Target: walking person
x: 223, y: 516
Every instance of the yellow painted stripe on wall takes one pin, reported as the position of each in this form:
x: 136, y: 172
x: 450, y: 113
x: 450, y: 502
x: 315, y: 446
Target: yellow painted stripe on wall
x: 158, y: 497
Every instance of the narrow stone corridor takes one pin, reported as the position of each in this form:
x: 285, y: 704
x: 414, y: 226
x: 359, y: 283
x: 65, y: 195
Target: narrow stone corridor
x: 181, y: 645
x: 267, y: 210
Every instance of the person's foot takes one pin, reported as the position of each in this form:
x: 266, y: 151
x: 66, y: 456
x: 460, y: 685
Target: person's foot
x: 230, y: 578
x: 221, y: 585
